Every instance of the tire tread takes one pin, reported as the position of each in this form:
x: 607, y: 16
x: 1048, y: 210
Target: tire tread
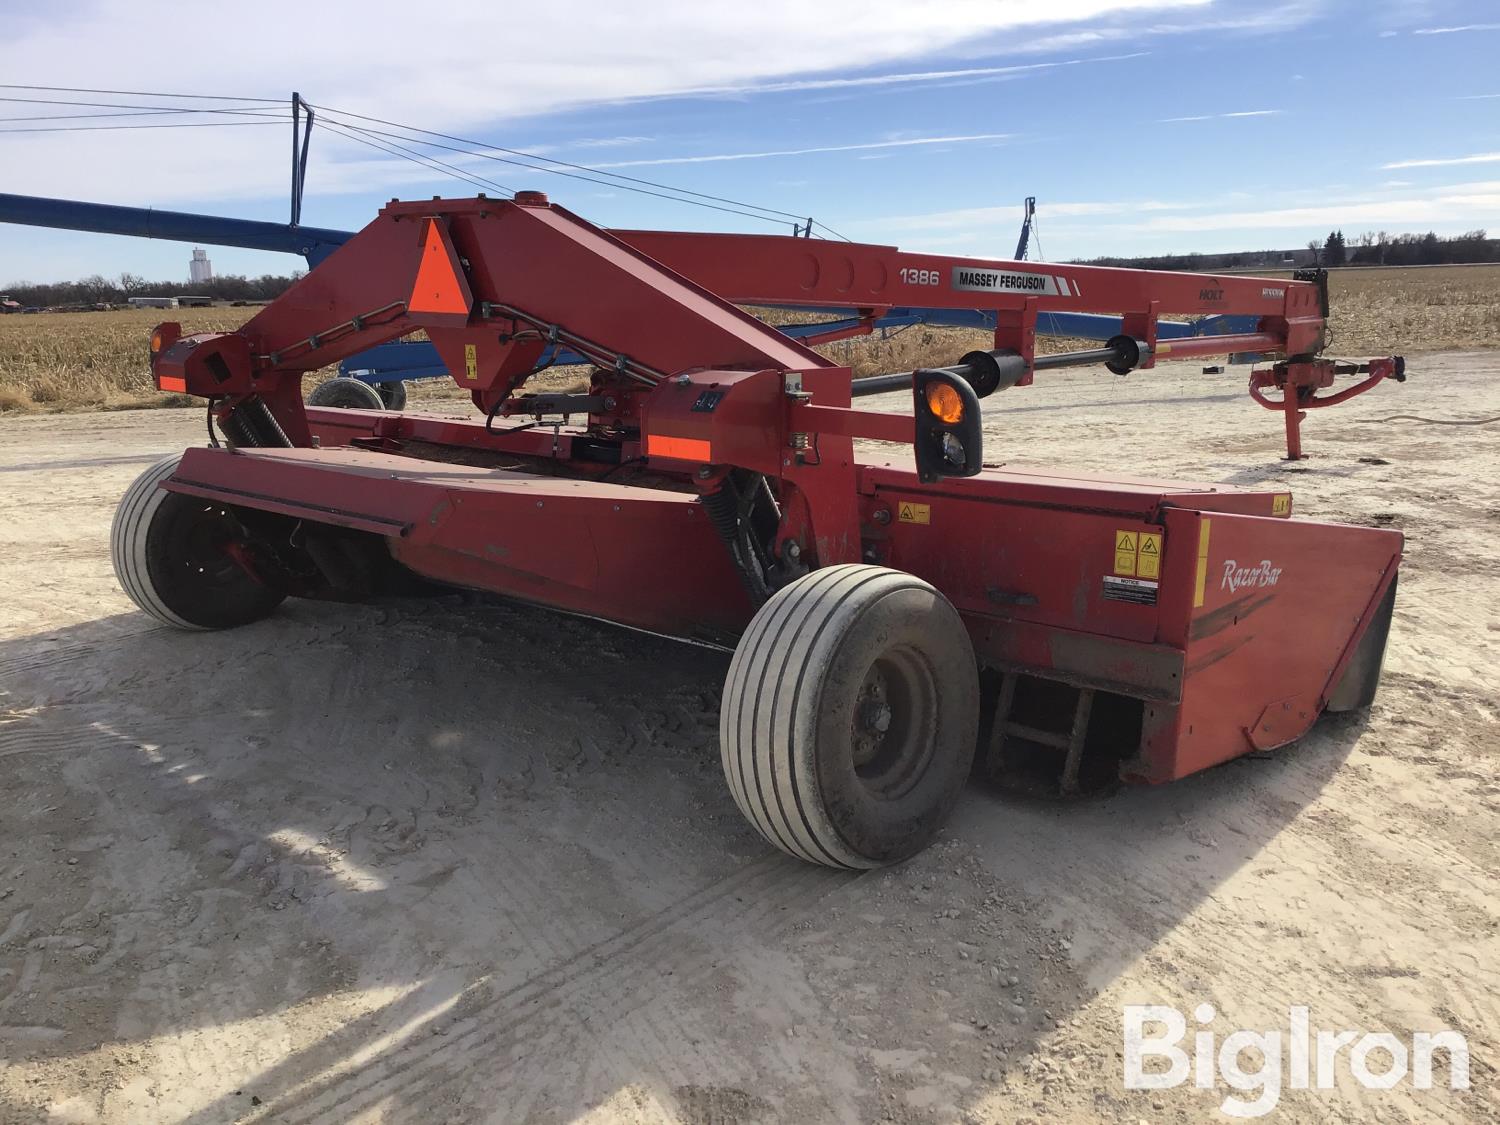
x: 764, y: 718
x: 127, y: 541
x: 330, y: 391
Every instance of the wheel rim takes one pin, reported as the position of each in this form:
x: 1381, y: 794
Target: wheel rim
x: 205, y: 556
x: 895, y: 716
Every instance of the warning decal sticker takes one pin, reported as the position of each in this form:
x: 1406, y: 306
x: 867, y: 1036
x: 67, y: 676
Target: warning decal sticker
x: 909, y: 512
x: 1134, y: 590
x: 1148, y: 556
x: 1138, y: 554
x: 471, y: 362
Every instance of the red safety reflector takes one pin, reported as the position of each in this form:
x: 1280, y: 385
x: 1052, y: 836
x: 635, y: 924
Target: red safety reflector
x: 438, y: 288
x: 682, y: 448
x: 172, y: 383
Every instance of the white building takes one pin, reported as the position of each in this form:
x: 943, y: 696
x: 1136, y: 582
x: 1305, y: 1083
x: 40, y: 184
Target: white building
x: 200, y: 268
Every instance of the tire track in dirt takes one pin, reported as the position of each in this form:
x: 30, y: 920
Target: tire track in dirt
x: 82, y: 463
x: 612, y: 979
x: 45, y: 659
x: 25, y: 736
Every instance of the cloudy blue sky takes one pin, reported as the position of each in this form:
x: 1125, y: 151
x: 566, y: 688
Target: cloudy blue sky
x: 1141, y: 125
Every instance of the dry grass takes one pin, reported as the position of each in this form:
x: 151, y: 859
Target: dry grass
x: 91, y: 361
x: 1437, y: 308
x: 97, y: 361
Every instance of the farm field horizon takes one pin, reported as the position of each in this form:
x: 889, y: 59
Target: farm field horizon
x: 97, y: 360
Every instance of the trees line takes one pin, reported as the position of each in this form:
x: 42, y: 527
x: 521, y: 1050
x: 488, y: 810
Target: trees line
x: 98, y: 289
x: 1377, y: 248
x: 1371, y: 248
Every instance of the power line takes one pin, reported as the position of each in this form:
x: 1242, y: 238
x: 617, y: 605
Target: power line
x: 132, y: 110
x: 416, y: 158
x: 141, y: 94
x: 137, y: 125
x: 546, y: 164
x: 130, y: 113
x: 552, y: 160
x: 152, y: 108
x: 560, y: 163
x: 554, y: 171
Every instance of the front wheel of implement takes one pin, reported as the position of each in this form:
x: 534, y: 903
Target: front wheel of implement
x: 849, y: 716
x: 180, y: 558
x: 346, y: 393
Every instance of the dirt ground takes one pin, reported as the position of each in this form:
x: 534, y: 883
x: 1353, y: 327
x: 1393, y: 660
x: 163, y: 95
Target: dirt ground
x: 453, y: 860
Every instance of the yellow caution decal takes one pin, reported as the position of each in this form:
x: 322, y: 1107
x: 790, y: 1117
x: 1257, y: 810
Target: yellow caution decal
x: 1148, y: 555
x: 909, y: 512
x: 1138, y: 554
x: 1281, y: 504
x: 471, y: 362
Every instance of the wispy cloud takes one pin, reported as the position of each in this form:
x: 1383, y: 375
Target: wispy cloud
x: 1445, y: 206
x: 974, y: 217
x: 1456, y: 30
x: 606, y: 142
x: 1444, y: 162
x: 1221, y: 116
x: 717, y: 157
x: 905, y: 78
x: 575, y: 56
x: 1266, y: 20
x: 1454, y: 206
x: 1476, y: 97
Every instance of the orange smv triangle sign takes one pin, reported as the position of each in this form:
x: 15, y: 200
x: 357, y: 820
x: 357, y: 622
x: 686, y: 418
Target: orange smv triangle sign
x: 439, y: 288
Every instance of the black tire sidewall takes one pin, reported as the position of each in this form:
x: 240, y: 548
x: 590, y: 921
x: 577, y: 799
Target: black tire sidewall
x: 920, y: 620
x: 392, y: 394
x: 221, y: 607
x: 344, y: 393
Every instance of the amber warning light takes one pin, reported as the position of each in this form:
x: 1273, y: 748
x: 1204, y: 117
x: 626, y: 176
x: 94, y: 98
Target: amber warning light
x: 945, y: 402
x: 163, y: 338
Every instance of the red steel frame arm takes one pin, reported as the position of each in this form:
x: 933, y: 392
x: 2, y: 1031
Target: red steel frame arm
x: 494, y: 282
x: 528, y: 256
x: 491, y: 282
x: 775, y: 269
x: 532, y: 257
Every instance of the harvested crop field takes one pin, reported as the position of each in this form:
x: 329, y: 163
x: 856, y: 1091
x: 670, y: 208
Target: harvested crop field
x: 96, y: 361
x: 460, y: 860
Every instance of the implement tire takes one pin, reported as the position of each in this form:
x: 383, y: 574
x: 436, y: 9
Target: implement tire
x: 169, y: 553
x: 850, y: 715
x: 392, y: 394
x: 346, y: 394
